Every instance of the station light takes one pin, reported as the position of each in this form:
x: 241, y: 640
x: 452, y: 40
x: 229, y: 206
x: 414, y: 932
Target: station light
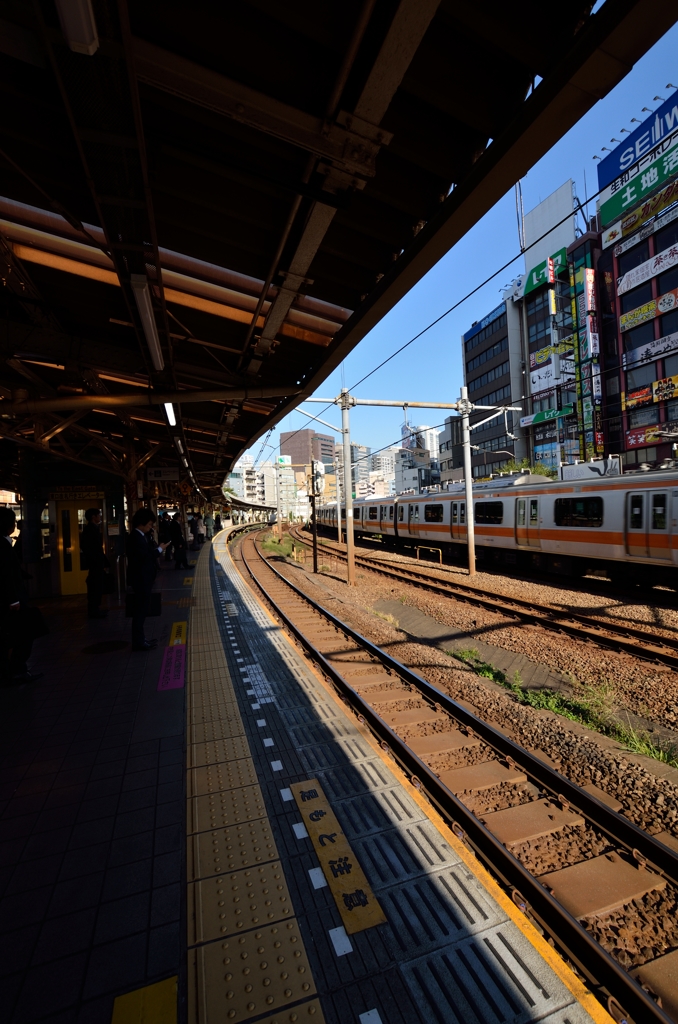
x: 78, y: 25
x: 185, y: 461
x: 177, y: 441
x: 171, y: 418
x: 142, y: 295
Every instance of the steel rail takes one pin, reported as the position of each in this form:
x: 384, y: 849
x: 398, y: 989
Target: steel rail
x: 582, y: 627
x: 605, y: 975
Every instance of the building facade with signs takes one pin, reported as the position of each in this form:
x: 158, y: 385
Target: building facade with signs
x: 638, y: 289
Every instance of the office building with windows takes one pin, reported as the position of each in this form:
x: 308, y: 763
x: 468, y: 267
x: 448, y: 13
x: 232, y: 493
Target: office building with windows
x: 305, y: 445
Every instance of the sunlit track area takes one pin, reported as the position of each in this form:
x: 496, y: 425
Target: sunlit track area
x: 434, y: 948
x: 564, y: 839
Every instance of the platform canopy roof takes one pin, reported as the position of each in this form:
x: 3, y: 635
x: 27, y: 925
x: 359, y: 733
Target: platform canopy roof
x: 206, y: 206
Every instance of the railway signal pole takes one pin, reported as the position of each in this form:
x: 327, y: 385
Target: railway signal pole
x: 464, y: 407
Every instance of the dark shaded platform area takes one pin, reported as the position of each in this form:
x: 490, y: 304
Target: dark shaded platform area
x: 92, y: 816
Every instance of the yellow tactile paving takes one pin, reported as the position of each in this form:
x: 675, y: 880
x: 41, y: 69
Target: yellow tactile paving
x: 228, y: 748
x: 213, y: 778
x: 227, y: 808
x: 230, y: 849
x: 310, y: 1012
x: 208, y: 732
x: 237, y: 902
x: 202, y: 713
x: 248, y: 974
x: 152, y: 1004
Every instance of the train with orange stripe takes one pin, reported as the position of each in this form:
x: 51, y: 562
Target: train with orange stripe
x: 626, y: 526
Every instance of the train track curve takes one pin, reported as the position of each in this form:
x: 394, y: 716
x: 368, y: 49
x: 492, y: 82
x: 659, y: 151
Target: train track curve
x: 639, y: 643
x: 495, y: 795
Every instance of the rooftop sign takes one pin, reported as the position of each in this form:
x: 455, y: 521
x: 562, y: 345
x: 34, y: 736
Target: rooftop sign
x: 652, y: 130
x: 494, y: 315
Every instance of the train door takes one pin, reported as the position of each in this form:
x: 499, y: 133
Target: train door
x: 413, y: 520
x: 533, y: 522
x: 458, y: 520
x: 70, y: 522
x: 400, y: 521
x: 647, y: 525
x: 521, y: 521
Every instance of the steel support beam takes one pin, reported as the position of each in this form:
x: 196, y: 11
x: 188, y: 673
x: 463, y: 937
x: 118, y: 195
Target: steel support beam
x: 39, y: 405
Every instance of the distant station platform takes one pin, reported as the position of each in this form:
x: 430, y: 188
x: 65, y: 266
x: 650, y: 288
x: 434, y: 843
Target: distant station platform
x: 204, y: 834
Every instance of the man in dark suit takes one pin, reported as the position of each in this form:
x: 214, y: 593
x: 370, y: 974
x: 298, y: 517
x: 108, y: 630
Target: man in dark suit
x: 142, y: 568
x: 179, y: 542
x: 17, y: 627
x: 92, y: 547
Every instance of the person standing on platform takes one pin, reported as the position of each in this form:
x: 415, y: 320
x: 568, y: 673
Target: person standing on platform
x: 142, y: 568
x: 217, y: 523
x: 19, y: 625
x: 178, y: 542
x: 164, y: 534
x: 200, y: 529
x: 92, y: 547
x: 209, y: 525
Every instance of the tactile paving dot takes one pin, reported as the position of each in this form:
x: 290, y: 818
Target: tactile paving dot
x: 206, y: 732
x: 311, y: 1011
x: 237, y: 902
x: 249, y: 974
x: 210, y: 713
x: 214, y: 751
x: 213, y: 778
x: 226, y: 808
x: 229, y: 849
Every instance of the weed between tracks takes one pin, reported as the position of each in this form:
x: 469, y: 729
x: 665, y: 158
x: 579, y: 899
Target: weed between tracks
x: 592, y: 706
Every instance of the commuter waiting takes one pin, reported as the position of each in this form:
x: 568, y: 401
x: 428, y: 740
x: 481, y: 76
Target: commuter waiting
x: 178, y: 542
x: 19, y: 624
x: 92, y: 547
x: 142, y: 568
x: 209, y: 525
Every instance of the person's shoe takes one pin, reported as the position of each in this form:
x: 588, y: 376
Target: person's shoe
x: 100, y: 613
x: 148, y: 645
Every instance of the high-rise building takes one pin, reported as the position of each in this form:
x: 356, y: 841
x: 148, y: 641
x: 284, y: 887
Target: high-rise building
x: 360, y: 467
x: 421, y: 437
x: 305, y: 445
x: 451, y: 456
x: 384, y: 461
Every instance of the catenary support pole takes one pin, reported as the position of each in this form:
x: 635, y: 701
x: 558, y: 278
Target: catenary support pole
x: 314, y: 524
x: 465, y: 408
x: 278, y: 517
x: 337, y: 479
x: 348, y: 487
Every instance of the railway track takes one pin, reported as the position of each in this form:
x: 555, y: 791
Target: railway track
x: 637, y: 642
x: 570, y: 861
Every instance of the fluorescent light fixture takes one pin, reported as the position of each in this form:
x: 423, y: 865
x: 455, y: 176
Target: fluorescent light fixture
x: 177, y: 441
x: 171, y: 418
x: 185, y: 461
x: 78, y: 25
x: 142, y: 295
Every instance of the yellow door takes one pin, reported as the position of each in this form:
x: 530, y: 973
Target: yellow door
x: 70, y: 521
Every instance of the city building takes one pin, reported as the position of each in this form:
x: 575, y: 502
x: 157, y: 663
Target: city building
x: 413, y: 471
x: 360, y: 467
x: 381, y: 485
x: 420, y: 437
x: 384, y: 461
x: 305, y: 445
x: 451, y: 456
x: 635, y: 325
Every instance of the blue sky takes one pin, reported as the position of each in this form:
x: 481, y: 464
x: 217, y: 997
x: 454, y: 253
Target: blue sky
x: 430, y: 370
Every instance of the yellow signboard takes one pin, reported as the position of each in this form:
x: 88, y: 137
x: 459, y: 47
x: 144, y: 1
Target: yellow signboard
x: 665, y: 389
x: 352, y: 893
x: 178, y: 634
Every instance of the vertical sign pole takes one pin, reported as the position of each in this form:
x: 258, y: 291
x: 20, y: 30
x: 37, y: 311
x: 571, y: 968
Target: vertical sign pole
x: 348, y: 487
x: 315, y: 533
x: 465, y: 409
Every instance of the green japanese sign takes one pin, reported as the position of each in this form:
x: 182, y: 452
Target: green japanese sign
x: 539, y: 274
x: 638, y: 186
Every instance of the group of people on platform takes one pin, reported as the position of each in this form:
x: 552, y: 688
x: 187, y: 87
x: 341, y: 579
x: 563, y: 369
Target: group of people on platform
x: 21, y: 624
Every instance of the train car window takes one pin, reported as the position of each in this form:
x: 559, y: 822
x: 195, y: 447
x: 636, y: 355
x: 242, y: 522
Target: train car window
x: 414, y: 513
x: 373, y: 512
x: 520, y: 520
x: 390, y: 511
x: 578, y: 512
x: 462, y: 512
x: 489, y: 512
x: 433, y: 513
x: 454, y: 513
x: 658, y: 511
x: 534, y: 511
x: 636, y: 516
x: 343, y: 513
x: 401, y: 513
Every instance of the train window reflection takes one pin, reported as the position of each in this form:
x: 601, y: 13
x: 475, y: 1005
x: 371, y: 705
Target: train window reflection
x: 489, y: 512
x: 433, y: 513
x: 579, y: 512
x: 521, y: 512
x: 658, y: 511
x: 373, y: 512
x: 636, y: 516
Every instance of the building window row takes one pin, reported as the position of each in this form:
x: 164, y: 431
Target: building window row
x: 486, y: 332
x: 489, y: 353
x: 489, y: 376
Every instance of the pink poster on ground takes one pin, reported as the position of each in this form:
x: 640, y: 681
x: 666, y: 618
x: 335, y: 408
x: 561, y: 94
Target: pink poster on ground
x: 173, y: 668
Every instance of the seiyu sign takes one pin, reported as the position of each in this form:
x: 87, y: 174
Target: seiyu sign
x: 648, y: 134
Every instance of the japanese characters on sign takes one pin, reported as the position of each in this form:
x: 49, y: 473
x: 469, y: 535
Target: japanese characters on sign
x: 356, y: 903
x: 649, y: 269
x: 649, y: 210
x: 639, y: 181
x: 646, y: 435
x: 649, y: 310
x: 642, y: 396
x: 660, y: 123
x: 539, y: 275
x: 651, y: 351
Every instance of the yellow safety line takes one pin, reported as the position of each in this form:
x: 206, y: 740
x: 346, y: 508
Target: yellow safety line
x: 581, y: 993
x: 153, y: 1004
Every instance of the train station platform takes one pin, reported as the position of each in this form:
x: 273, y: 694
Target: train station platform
x: 168, y: 842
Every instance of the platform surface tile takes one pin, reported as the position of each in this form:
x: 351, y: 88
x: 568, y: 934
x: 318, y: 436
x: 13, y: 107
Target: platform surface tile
x: 448, y: 951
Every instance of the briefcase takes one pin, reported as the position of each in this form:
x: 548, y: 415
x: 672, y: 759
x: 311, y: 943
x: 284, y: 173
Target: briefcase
x: 154, y: 605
